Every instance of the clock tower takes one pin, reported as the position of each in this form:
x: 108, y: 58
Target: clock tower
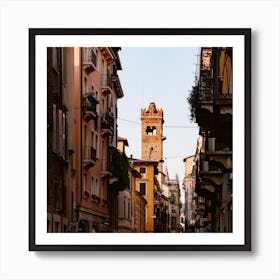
x: 152, y: 121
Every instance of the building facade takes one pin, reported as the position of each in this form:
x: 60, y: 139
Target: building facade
x: 131, y: 202
x: 145, y: 185
x: 83, y: 89
x: 211, y: 103
x: 60, y: 103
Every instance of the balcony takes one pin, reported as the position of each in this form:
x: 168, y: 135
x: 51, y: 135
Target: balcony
x: 95, y: 198
x: 106, y: 170
x: 90, y: 59
x: 89, y: 107
x: 86, y: 194
x: 106, y: 84
x: 104, y: 202
x: 89, y: 157
x: 205, y: 95
x: 107, y: 124
x: 224, y: 101
x: 220, y: 154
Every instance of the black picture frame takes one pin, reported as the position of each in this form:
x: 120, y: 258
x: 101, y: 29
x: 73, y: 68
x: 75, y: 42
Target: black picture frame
x: 34, y: 32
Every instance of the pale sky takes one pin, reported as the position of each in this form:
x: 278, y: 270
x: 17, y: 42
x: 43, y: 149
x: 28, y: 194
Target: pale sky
x: 164, y: 76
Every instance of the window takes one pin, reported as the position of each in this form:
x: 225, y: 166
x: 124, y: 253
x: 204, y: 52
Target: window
x: 146, y: 214
x: 55, y: 128
x: 96, y: 145
x: 96, y: 55
x: 142, y: 188
x: 103, y: 106
x: 55, y: 58
x: 92, y: 139
x: 56, y: 227
x: 104, y: 70
x: 104, y: 159
x: 85, y: 182
x: 59, y: 126
x: 92, y: 185
x: 85, y: 54
x: 129, y: 210
x: 124, y: 208
x: 103, y: 191
x: 61, y: 132
x: 96, y: 188
x: 151, y: 130
x: 86, y: 84
x: 172, y: 199
x: 142, y: 170
x: 85, y: 148
x: 85, y: 135
x: 109, y: 101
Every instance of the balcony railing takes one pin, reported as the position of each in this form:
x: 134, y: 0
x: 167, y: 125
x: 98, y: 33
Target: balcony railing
x: 95, y: 198
x: 205, y: 95
x: 90, y: 59
x: 89, y: 106
x: 89, y: 156
x: 106, y: 83
x: 105, y: 168
x: 107, y: 124
x: 224, y: 99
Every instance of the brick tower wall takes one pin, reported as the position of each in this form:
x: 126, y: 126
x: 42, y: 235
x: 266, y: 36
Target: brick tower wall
x: 152, y: 121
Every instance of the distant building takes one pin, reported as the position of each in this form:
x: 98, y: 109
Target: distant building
x: 182, y: 219
x: 146, y: 186
x: 190, y: 196
x: 131, y: 202
x: 139, y: 203
x: 174, y: 203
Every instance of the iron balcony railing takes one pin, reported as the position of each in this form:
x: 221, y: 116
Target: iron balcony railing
x: 89, y: 106
x: 93, y: 57
x: 107, y: 121
x: 90, y: 102
x: 205, y: 94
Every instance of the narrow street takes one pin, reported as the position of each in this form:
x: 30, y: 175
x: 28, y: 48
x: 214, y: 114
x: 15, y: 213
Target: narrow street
x: 139, y: 140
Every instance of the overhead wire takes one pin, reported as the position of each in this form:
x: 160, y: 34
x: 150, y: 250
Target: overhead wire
x: 165, y: 126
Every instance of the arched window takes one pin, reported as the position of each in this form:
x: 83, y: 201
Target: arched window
x: 151, y: 130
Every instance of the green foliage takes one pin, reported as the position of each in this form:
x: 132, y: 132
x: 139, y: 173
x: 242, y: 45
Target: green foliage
x: 193, y: 100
